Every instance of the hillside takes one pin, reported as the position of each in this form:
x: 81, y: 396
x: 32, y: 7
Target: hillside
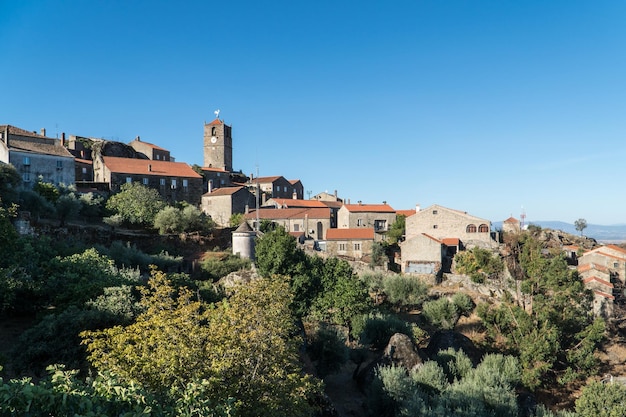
x: 603, y: 234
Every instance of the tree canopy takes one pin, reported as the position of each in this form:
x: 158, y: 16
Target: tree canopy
x: 136, y: 203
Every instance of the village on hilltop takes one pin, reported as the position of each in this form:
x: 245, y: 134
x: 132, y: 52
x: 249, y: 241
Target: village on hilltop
x: 325, y: 222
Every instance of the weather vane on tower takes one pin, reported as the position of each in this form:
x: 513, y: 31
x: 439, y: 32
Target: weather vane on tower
x: 217, y: 113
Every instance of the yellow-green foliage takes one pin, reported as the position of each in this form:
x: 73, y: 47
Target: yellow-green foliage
x: 242, y: 348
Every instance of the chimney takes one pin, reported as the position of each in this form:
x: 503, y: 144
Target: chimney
x: 294, y: 196
x: 43, y: 131
x: 62, y: 138
x: 138, y: 139
x: 417, y: 208
x: 210, y: 186
x: 335, y: 194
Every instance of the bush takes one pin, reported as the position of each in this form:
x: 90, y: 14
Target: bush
x: 441, y: 313
x: 407, y: 291
x: 464, y: 303
x: 328, y: 350
x: 378, y: 328
x: 214, y: 268
x: 168, y: 220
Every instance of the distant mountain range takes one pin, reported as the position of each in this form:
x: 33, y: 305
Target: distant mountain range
x: 603, y: 234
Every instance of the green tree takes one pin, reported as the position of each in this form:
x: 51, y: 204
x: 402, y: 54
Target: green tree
x: 277, y: 253
x: 67, y: 208
x: 397, y: 229
x: 168, y: 220
x: 236, y: 219
x: 241, y: 348
x: 136, y: 203
x: 9, y: 181
x: 580, y: 224
x: 47, y: 190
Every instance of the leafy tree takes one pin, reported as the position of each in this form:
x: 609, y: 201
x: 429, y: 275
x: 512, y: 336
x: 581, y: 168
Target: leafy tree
x: 242, y: 348
x: 9, y: 181
x: 405, y: 291
x: 67, y: 207
x: 479, y: 264
x: 580, y: 224
x: 136, y: 203
x: 92, y: 205
x: 397, y: 229
x: 35, y: 203
x: 236, y: 219
x: 47, y: 190
x: 328, y: 350
x: 277, y: 253
x: 168, y: 220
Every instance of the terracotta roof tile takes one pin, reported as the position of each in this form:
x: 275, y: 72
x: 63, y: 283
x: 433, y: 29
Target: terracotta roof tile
x: 295, y: 203
x: 216, y: 122
x: 372, y: 208
x: 222, y: 191
x: 451, y: 241
x: 149, y: 167
x: 511, y: 220
x: 152, y: 145
x: 599, y: 280
x: 603, y: 294
x: 432, y: 238
x: 590, y: 266
x: 290, y: 213
x: 405, y: 213
x: 350, y: 234
x: 211, y: 169
x: 265, y: 179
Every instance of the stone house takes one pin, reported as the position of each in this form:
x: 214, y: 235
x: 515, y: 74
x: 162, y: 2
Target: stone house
x: 276, y: 187
x: 376, y: 216
x: 36, y: 156
x: 353, y: 243
x: 175, y: 181
x: 313, y: 222
x: 603, y: 270
x: 442, y: 223
x: 150, y: 150
x: 293, y: 203
x: 422, y: 254
x: 324, y: 196
x: 215, y: 178
x: 511, y: 225
x: 222, y: 203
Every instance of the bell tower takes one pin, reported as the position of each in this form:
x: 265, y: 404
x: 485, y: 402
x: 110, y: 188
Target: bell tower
x: 218, y: 145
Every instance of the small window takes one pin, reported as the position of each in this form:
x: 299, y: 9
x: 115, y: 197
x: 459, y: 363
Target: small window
x: 162, y: 182
x: 59, y: 164
x: 434, y: 211
x: 615, y: 265
x: 26, y: 160
x: 342, y: 246
x: 434, y: 226
x: 26, y: 177
x: 145, y: 181
x: 84, y: 171
x: 285, y: 188
x: 471, y: 228
x: 296, y: 227
x: 359, y: 222
x: 357, y: 246
x: 185, y: 183
x: 129, y: 180
x: 173, y: 184
x: 158, y: 157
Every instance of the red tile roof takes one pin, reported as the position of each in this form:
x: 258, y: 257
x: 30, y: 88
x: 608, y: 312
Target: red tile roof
x: 376, y: 208
x: 603, y: 294
x: 590, y: 266
x: 295, y: 203
x: 599, y: 280
x: 216, y: 122
x: 149, y: 167
x: 406, y: 213
x: 511, y: 220
x: 213, y: 169
x: 84, y: 161
x: 451, y: 241
x: 290, y: 213
x: 265, y: 179
x: 350, y: 234
x: 222, y: 191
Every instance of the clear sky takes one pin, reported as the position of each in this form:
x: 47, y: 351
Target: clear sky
x: 482, y: 106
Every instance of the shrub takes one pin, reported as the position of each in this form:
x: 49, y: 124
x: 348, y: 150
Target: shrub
x: 328, y: 349
x: 441, y: 313
x: 378, y: 328
x: 407, y: 291
x: 214, y: 268
x: 464, y: 303
x: 168, y: 220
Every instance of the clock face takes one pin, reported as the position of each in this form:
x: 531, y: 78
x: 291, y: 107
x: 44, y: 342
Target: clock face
x: 213, y: 139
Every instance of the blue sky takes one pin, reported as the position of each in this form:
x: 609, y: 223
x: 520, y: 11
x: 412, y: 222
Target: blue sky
x: 483, y: 106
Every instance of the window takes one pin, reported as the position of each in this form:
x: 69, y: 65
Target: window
x: 59, y: 164
x: 129, y: 180
x: 615, y: 265
x: 483, y: 228
x: 185, y: 183
x: 173, y: 184
x: 359, y: 222
x: 434, y: 211
x: 434, y: 226
x: 380, y: 224
x: 162, y: 182
x: 84, y: 171
x: 145, y: 181
x: 158, y: 157
x: 285, y: 188
x: 357, y: 246
x: 471, y: 228
x: 342, y: 247
x: 26, y: 160
x: 296, y: 227
x: 26, y: 177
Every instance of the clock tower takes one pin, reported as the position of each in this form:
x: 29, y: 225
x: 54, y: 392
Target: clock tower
x: 218, y: 145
